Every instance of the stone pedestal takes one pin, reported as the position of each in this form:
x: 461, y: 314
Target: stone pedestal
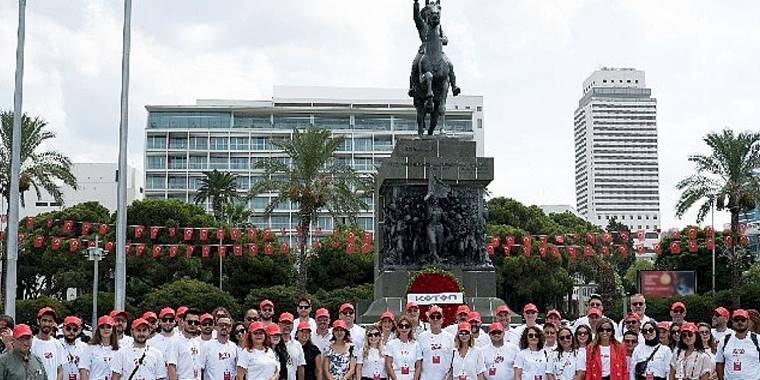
x: 430, y: 212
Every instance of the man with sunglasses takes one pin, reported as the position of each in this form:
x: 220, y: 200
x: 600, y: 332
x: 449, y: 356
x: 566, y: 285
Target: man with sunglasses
x: 738, y: 355
x: 595, y: 302
x: 499, y: 355
x: 251, y: 315
x: 720, y: 323
x: 266, y: 312
x: 183, y: 355
x: 677, y: 313
x: 46, y: 347
x: 463, y: 312
x: 138, y: 360
x: 437, y: 347
x: 348, y: 314
x: 219, y: 356
x: 167, y: 321
x: 321, y: 337
x: 72, y: 347
x: 207, y: 328
x: 296, y: 358
x: 632, y: 323
x: 639, y: 306
x: 304, y: 315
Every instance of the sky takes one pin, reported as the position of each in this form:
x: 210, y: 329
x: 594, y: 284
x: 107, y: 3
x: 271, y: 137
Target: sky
x: 527, y: 58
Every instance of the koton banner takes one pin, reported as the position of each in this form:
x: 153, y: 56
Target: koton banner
x: 667, y: 283
x: 435, y: 298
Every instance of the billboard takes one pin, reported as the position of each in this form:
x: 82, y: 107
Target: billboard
x: 667, y: 283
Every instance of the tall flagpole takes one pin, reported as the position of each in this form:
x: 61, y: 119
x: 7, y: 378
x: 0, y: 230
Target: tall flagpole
x: 120, y: 288
x: 12, y: 256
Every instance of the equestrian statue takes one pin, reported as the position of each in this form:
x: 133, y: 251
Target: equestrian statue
x: 432, y: 72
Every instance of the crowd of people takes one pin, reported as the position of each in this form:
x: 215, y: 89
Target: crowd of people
x: 186, y: 343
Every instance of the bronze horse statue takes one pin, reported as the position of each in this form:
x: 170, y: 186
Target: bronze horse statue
x: 434, y: 71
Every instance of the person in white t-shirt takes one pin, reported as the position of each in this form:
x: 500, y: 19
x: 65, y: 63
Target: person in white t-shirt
x: 206, y: 329
x: 166, y: 322
x: 403, y: 355
x: 356, y: 332
x: 321, y: 337
x: 554, y: 317
x: 463, y: 313
x: 639, y: 306
x: 46, y: 347
x: 304, y: 315
x: 563, y: 361
x: 531, y: 361
x: 413, y: 310
x: 437, y: 347
x: 738, y: 358
x: 120, y: 318
x: 659, y: 364
x: 530, y: 315
x: 499, y: 355
x: 479, y: 339
x: 550, y: 337
x: 296, y: 358
x: 370, y: 362
x: 219, y: 356
x: 256, y: 361
x: 98, y: 355
x: 467, y: 362
x: 720, y: 323
x: 138, y: 359
x: 690, y: 361
x: 503, y: 315
x: 388, y: 326
x: 73, y: 348
x: 183, y: 353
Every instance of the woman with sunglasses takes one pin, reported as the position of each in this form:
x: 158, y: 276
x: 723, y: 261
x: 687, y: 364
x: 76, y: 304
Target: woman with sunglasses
x: 563, y: 361
x: 238, y: 333
x: 96, y: 357
x: 371, y: 363
x: 467, y: 362
x: 690, y: 362
x: 583, y: 336
x: 531, y: 361
x: 403, y: 355
x: 388, y: 326
x: 708, y: 340
x: 339, y: 362
x: 280, y: 349
x: 605, y: 356
x: 550, y: 337
x: 256, y: 361
x: 675, y: 335
x: 663, y: 333
x: 650, y: 360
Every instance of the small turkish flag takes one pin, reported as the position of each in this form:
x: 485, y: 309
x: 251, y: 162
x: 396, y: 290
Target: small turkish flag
x: 675, y: 247
x: 222, y: 251
x: 139, y: 250
x: 640, y: 250
x: 189, y: 250
x: 710, y: 244
x: 173, y: 249
x: 29, y: 222
x: 237, y: 250
x: 251, y: 233
x: 187, y: 233
x: 171, y: 231
x: 510, y: 241
x: 607, y: 238
x: 625, y: 236
x: 139, y: 231
x: 90, y: 244
x: 68, y: 225
x: 693, y: 246
x: 675, y: 233
x: 153, y: 232
x: 555, y: 251
x: 743, y: 240
x: 38, y: 241
x: 572, y: 252
x: 73, y: 245
x: 156, y: 250
x: 350, y: 248
x: 268, y: 249
x: 56, y: 244
x: 253, y: 249
x: 367, y: 237
x: 205, y: 250
x: 559, y: 239
x: 691, y: 233
x: 495, y: 242
x: 526, y: 250
x: 267, y: 234
x: 623, y: 251
x: 658, y: 249
x: 235, y: 234
x: 728, y: 241
x: 605, y: 251
x: 640, y: 235
x: 588, y: 251
x: 284, y: 248
x: 108, y: 247
x: 590, y: 238
x: 85, y: 228
x: 220, y: 234
x: 709, y: 232
x: 366, y: 248
x: 542, y: 250
x: 490, y: 249
x: 204, y: 234
x: 526, y: 241
x: 102, y: 229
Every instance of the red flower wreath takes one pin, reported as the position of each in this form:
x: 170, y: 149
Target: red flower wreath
x: 433, y: 281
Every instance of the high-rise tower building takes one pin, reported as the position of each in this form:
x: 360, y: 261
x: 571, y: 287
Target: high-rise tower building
x: 616, y: 169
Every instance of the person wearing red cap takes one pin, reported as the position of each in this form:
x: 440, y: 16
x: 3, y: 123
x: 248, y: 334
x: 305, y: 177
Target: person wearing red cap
x: 677, y: 312
x: 690, y: 361
x: 387, y: 326
x: 98, y: 354
x: 348, y: 315
x: 256, y: 360
x: 663, y: 333
x: 605, y: 357
x: 550, y: 337
x: 530, y: 316
x: 531, y: 361
x: 738, y: 355
x: 266, y: 312
x: 437, y: 347
x: 413, y: 310
x: 219, y: 356
x: 120, y: 318
x: 180, y: 318
x: 463, y: 312
x: 46, y: 347
x: 206, y: 329
x: 297, y: 359
x: 480, y: 340
x: 151, y: 361
x: 304, y: 315
x: 632, y: 322
x: 339, y: 359
x: 554, y: 317
x: 321, y: 337
x: 595, y: 302
x: 311, y: 353
x: 651, y: 359
x: 468, y: 362
x: 73, y: 348
x: 163, y: 339
x: 639, y: 306
x: 720, y: 323
x: 152, y: 318
x: 403, y: 355
x: 183, y: 353
x: 370, y: 362
x: 20, y: 363
x: 278, y: 345
x: 499, y: 355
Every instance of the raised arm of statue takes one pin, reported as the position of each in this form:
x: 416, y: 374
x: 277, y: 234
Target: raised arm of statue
x: 417, y: 17
x: 444, y: 39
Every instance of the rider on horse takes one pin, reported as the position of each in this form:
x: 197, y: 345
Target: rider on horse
x: 423, y: 27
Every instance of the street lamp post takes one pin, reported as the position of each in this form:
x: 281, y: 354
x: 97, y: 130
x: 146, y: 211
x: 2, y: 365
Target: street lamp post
x: 95, y: 254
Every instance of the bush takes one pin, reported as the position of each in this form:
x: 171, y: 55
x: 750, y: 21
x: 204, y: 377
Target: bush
x: 331, y: 300
x: 82, y: 306
x: 189, y: 293
x: 699, y: 308
x: 26, y: 310
x: 285, y: 298
x: 333, y: 268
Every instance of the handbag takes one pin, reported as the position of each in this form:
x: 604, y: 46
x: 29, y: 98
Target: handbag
x: 641, y: 367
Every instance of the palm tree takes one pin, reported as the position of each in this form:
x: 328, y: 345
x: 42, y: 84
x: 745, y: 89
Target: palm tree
x: 314, y: 181
x: 220, y: 188
x: 725, y: 179
x: 40, y: 170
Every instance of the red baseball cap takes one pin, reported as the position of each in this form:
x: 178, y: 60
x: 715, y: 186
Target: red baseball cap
x: 339, y: 324
x: 595, y: 311
x: 346, y: 306
x: 304, y: 326
x: 474, y: 316
x: 255, y: 326
x: 530, y: 307
x: 632, y: 317
x: 46, y: 310
x: 322, y: 312
x: 72, y: 320
x: 554, y: 312
x: 502, y: 309
x: 434, y: 309
x: 463, y: 309
x: 139, y: 322
x: 741, y: 313
x: 463, y: 326
x: 663, y: 325
x: 181, y: 311
x: 266, y: 303
x: 21, y: 330
x: 676, y: 305
x: 105, y: 320
x: 205, y: 316
x: 689, y: 326
x: 116, y: 313
x: 286, y: 317
x: 388, y: 315
x: 148, y: 315
x: 722, y: 311
x: 166, y: 311
x: 273, y: 329
x: 410, y: 305
x: 496, y: 326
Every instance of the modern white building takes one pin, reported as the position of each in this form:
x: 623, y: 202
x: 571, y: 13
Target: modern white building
x: 96, y: 182
x: 616, y: 168
x: 183, y: 141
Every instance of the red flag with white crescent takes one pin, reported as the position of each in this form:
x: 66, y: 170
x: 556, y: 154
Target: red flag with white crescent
x: 251, y: 233
x: 237, y: 250
x: 205, y: 250
x: 138, y: 231
x: 73, y: 245
x: 623, y: 251
x: 220, y: 234
x: 253, y: 249
x: 102, y: 229
x: 173, y: 249
x: 156, y: 250
x: 235, y: 234
x: 153, y: 232
x: 588, y: 250
x: 108, y: 247
x: 68, y: 226
x: 204, y: 234
x: 187, y: 234
x: 189, y: 250
x: 691, y: 233
x: 640, y: 249
x: 139, y: 250
x: 693, y: 246
x: 709, y: 232
x: 171, y: 231
x: 710, y: 244
x: 555, y: 251
x: 222, y: 251
x: 268, y: 249
x: 675, y: 247
x: 56, y: 243
x: 29, y: 222
x: 490, y: 249
x: 38, y: 241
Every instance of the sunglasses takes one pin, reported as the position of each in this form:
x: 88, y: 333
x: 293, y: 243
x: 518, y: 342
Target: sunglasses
x: 259, y: 332
x: 675, y: 332
x: 71, y: 329
x: 106, y: 327
x: 495, y: 332
x: 604, y: 330
x: 583, y: 333
x: 687, y: 334
x: 679, y: 311
x: 373, y: 335
x: 404, y: 326
x: 192, y: 323
x: 530, y: 312
x: 532, y: 336
x: 632, y: 322
x: 347, y: 312
x: 224, y: 325
x: 704, y: 332
x: 566, y: 337
x: 648, y: 331
x: 550, y: 332
x: 631, y: 341
x: 435, y: 317
x: 239, y: 331
x: 740, y: 319
x: 268, y: 309
x: 303, y: 307
x: 464, y: 333
x: 207, y: 324
x: 637, y: 303
x: 167, y: 320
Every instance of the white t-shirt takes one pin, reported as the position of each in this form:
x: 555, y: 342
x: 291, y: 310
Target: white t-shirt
x: 259, y: 365
x: 604, y: 354
x: 297, y: 358
x: 580, y: 364
x: 512, y: 337
x: 404, y: 356
x: 50, y: 353
x: 692, y: 366
x: 322, y: 342
x: 185, y: 354
x: 312, y: 324
x: 126, y: 341
x: 659, y: 366
x: 373, y: 365
x: 500, y: 361
x: 160, y: 342
x: 357, y: 337
x: 482, y: 340
x: 452, y: 328
x: 153, y: 365
x: 97, y: 359
x: 532, y: 363
x: 72, y: 356
x: 740, y: 358
x: 469, y: 366
x: 436, y: 354
x: 720, y: 336
x: 563, y: 365
x: 218, y: 360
